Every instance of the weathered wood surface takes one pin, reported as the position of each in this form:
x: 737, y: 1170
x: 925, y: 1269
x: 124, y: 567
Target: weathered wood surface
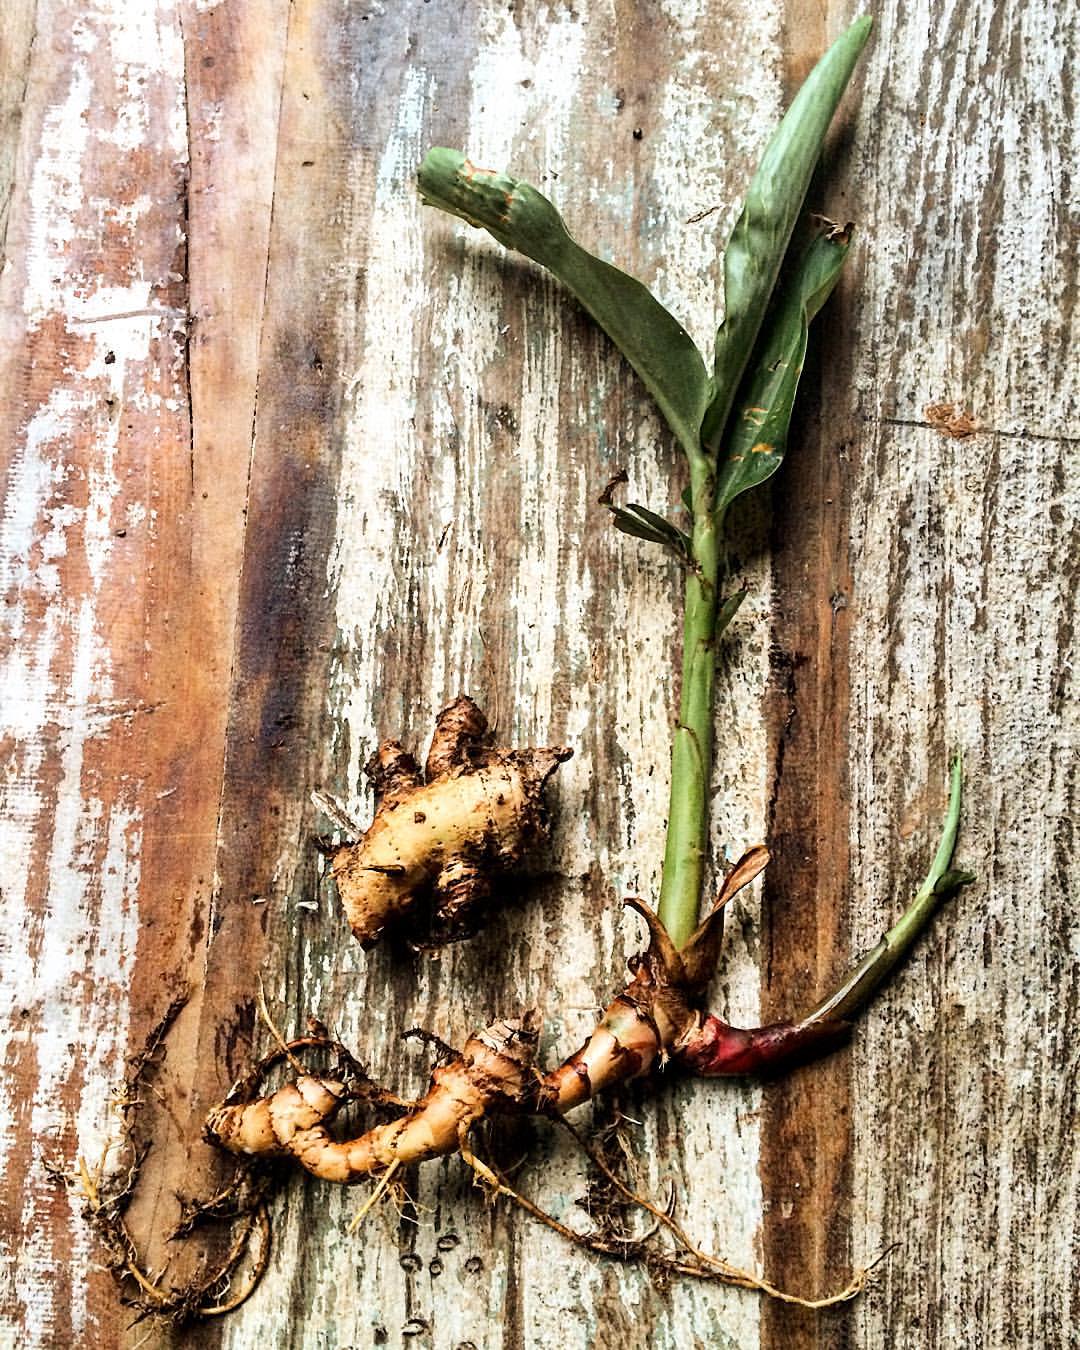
x: 290, y: 461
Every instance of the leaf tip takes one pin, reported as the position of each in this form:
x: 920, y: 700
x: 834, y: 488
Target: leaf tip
x: 862, y: 27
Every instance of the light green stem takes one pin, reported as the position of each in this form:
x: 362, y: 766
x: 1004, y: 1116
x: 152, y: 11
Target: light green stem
x: 704, y: 620
x: 871, y: 972
x: 691, y: 754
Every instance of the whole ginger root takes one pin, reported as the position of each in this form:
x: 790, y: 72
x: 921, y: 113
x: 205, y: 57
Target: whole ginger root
x: 447, y: 834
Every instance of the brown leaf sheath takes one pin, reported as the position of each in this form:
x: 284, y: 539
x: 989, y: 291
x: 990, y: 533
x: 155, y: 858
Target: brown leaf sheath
x: 656, y: 1017
x: 493, y: 1073
x: 470, y: 818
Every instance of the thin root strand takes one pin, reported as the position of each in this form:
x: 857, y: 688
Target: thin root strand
x: 704, y: 1265
x: 375, y: 1196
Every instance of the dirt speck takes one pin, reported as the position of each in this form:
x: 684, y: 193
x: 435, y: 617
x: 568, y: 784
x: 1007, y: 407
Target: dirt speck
x: 951, y: 420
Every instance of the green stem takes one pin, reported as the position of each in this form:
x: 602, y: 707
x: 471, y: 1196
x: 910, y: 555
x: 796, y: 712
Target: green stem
x: 691, y: 755
x: 696, y: 407
x: 686, y: 846
x: 752, y: 264
x: 871, y: 972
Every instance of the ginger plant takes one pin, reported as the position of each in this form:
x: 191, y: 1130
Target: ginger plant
x: 445, y: 833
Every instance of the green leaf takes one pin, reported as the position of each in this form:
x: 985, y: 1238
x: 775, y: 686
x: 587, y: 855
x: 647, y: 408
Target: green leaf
x: 762, y: 233
x: 645, y: 524
x: 759, y: 430
x: 519, y: 217
x: 660, y: 523
x: 728, y: 609
x: 952, y: 881
x: 630, y: 524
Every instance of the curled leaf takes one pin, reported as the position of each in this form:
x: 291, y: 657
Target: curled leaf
x: 628, y: 523
x: 728, y: 609
x: 607, y: 497
x: 520, y: 217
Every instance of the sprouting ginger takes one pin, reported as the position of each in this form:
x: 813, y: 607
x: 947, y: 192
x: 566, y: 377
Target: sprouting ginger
x: 440, y: 840
x: 449, y: 833
x: 477, y: 808
x: 654, y: 1019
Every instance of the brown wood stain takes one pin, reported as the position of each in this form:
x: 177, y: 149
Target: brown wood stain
x: 288, y: 462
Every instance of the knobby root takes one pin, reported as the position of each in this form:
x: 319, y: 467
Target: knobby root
x: 444, y: 835
x: 492, y: 1074
x: 657, y: 1018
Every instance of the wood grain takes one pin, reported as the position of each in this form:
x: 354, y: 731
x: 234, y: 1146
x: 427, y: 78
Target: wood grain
x: 289, y: 461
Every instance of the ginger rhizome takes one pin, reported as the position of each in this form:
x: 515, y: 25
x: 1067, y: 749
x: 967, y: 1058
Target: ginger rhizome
x: 654, y: 1019
x: 443, y: 838
x: 492, y: 1072
x: 658, y: 1018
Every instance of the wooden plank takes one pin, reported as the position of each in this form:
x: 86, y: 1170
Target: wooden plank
x: 465, y: 400
x: 16, y: 38
x: 952, y: 640
x: 122, y: 531
x: 373, y: 444
x: 94, y: 324
x: 962, y: 615
x: 806, y: 1147
x: 232, y: 75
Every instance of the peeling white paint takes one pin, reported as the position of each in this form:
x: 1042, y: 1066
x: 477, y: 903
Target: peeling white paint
x: 58, y: 568
x: 56, y: 194
x: 381, y: 446
x: 524, y: 123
